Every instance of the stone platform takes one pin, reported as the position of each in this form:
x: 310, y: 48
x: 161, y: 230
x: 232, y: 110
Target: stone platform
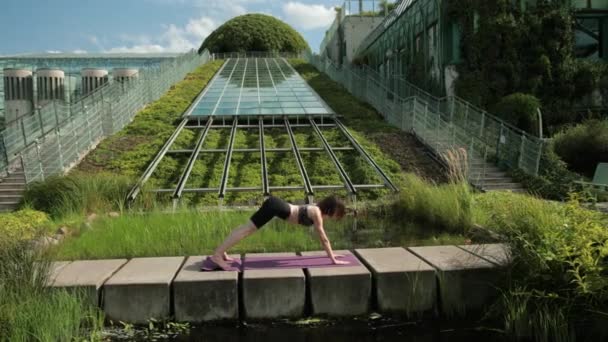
x: 417, y: 281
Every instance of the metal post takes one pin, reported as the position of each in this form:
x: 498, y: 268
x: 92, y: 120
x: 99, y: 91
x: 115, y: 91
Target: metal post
x: 23, y: 132
x: 521, y: 151
x: 39, y: 160
x: 40, y: 120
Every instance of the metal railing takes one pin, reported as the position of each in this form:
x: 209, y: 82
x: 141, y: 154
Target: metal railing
x: 258, y: 54
x: 55, y: 138
x: 441, y: 123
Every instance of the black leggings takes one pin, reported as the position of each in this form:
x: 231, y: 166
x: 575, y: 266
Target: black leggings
x: 271, y: 207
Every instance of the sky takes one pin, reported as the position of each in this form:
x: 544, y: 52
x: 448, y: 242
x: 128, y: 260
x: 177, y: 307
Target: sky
x: 93, y: 26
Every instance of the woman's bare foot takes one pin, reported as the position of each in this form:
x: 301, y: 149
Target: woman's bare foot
x: 218, y: 260
x: 227, y: 258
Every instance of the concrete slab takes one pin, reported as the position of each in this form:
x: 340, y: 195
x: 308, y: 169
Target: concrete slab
x: 339, y: 291
x: 54, y: 269
x: 140, y: 290
x: 466, y: 281
x: 205, y: 296
x: 403, y: 281
x: 496, y: 253
x: 87, y: 276
x: 273, y: 293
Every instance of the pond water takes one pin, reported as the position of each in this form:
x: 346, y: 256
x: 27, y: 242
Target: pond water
x: 364, y: 330
x: 371, y: 231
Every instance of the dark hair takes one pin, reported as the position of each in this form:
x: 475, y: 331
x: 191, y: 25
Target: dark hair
x: 332, y: 206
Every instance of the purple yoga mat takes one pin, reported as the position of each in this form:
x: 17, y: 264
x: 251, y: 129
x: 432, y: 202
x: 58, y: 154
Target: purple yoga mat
x: 281, y: 262
x: 256, y: 263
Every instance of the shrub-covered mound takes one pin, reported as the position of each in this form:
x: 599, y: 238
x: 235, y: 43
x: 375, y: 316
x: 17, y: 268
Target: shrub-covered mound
x: 254, y: 32
x: 583, y: 146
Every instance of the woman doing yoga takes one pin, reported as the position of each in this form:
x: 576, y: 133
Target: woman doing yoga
x: 307, y: 215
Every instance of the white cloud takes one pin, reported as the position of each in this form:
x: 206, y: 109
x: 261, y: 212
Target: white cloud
x: 173, y: 38
x: 308, y: 17
x: 79, y: 51
x: 53, y: 51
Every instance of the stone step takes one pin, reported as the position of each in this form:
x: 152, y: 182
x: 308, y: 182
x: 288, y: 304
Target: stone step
x: 12, y: 186
x: 10, y: 192
x: 10, y: 198
x: 8, y: 206
x: 502, y: 186
x: 493, y: 180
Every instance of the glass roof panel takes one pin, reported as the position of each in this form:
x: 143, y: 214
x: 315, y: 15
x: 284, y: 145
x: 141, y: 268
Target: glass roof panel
x: 258, y: 86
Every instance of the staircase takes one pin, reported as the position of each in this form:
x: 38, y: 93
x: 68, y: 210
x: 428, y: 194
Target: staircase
x: 482, y: 174
x: 11, y: 190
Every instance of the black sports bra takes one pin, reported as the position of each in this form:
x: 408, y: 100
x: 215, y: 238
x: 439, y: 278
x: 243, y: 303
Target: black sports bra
x: 303, y: 218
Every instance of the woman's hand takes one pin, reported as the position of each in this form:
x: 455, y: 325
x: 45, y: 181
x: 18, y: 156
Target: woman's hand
x: 340, y: 262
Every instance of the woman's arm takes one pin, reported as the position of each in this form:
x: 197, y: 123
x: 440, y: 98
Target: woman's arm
x: 318, y: 222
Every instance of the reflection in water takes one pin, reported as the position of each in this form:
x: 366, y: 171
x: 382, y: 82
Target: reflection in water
x: 340, y: 331
x: 374, y: 232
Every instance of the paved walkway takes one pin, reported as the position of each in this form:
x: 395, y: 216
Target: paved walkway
x: 417, y: 281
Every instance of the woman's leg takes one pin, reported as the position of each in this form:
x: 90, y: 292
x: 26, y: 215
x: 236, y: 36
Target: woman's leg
x: 235, y: 236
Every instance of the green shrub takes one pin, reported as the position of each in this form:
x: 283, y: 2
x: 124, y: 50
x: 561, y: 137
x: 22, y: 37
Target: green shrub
x: 24, y: 224
x: 520, y: 110
x: 554, y: 180
x: 583, y: 146
x: 79, y: 193
x: 254, y: 32
x: 560, y: 260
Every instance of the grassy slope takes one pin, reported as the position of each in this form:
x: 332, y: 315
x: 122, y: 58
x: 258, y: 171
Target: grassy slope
x: 130, y: 150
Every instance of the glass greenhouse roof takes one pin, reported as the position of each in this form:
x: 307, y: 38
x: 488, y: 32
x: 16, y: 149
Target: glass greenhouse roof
x: 258, y: 86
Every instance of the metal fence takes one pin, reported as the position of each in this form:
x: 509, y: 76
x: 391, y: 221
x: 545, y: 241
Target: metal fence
x: 55, y: 138
x: 258, y: 54
x: 440, y: 123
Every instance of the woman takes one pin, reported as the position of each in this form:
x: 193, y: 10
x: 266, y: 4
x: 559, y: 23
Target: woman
x: 307, y: 215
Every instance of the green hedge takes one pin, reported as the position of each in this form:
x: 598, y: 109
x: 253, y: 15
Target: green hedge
x: 583, y: 146
x: 254, y: 32
x: 520, y: 110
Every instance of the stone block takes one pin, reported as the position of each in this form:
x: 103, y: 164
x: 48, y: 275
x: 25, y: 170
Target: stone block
x: 496, y: 253
x: 141, y: 290
x: 86, y: 277
x: 205, y: 296
x: 273, y: 293
x: 340, y: 290
x: 466, y: 281
x: 403, y: 282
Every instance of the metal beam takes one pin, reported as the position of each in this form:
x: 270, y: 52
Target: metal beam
x: 199, y: 144
x: 249, y: 150
x: 296, y: 152
x: 159, y: 156
x: 224, y: 181
x: 265, y: 183
x: 273, y: 188
x: 347, y: 182
x: 369, y: 159
x: 256, y: 126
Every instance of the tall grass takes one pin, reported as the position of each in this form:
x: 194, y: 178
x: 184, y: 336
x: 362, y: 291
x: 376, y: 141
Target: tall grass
x: 198, y: 233
x: 558, y: 278
x: 80, y: 193
x: 29, y: 311
x: 446, y: 206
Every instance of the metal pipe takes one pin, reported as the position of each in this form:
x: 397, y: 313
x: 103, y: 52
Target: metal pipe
x: 347, y: 182
x: 265, y: 183
x: 296, y: 152
x: 146, y: 175
x: 224, y: 181
x: 369, y: 159
x: 199, y: 144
